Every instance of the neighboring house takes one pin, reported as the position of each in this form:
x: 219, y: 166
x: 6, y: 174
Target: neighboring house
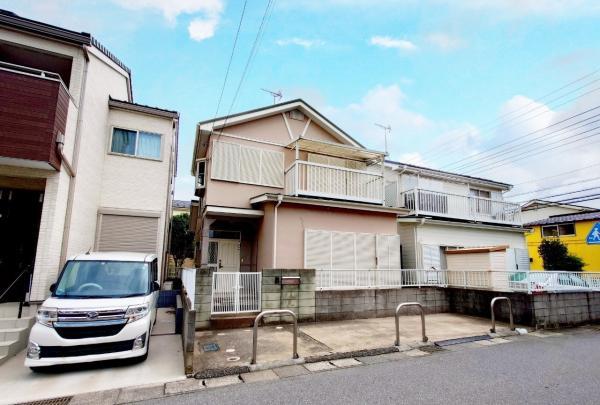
x: 534, y: 210
x: 579, y: 232
x: 181, y: 207
x: 449, y: 211
x: 82, y: 167
x: 282, y: 187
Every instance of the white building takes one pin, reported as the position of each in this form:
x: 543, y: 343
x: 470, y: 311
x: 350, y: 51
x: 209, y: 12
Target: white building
x: 449, y: 211
x: 81, y: 165
x: 535, y: 210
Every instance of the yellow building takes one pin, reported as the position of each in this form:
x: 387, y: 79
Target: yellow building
x: 579, y: 232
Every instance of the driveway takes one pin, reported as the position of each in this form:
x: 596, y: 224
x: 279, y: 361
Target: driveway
x: 164, y: 363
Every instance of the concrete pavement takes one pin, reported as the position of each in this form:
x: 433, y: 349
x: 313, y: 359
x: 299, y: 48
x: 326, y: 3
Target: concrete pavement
x: 541, y: 368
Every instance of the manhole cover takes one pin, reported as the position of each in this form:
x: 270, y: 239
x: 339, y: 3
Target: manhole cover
x: 233, y: 358
x: 459, y: 341
x: 210, y: 347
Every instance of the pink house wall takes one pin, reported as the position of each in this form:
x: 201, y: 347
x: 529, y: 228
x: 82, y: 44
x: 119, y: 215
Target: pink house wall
x: 293, y: 219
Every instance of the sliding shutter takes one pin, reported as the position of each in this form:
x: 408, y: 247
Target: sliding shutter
x: 271, y: 171
x: 226, y: 161
x: 325, y: 250
x: 250, y: 165
x: 124, y: 233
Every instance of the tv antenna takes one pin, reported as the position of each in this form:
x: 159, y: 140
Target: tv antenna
x: 275, y: 94
x: 386, y: 131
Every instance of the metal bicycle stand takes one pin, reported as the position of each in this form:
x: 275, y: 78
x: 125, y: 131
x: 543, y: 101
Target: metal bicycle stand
x: 397, y: 316
x: 274, y: 312
x: 494, y: 300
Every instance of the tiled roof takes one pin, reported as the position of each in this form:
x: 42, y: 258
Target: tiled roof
x: 560, y: 219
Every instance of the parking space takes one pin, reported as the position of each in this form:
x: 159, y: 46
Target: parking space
x: 164, y: 363
x: 233, y: 347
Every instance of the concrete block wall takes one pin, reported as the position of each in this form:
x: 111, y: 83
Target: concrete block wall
x: 566, y: 309
x: 298, y: 298
x: 334, y: 305
x: 202, y: 298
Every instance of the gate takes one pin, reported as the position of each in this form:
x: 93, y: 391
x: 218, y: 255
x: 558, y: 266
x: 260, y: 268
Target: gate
x: 235, y: 292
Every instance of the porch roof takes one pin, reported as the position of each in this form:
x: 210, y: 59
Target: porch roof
x: 218, y: 211
x: 335, y: 149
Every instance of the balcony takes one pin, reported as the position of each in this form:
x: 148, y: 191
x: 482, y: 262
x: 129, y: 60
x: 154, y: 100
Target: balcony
x: 33, y: 111
x: 438, y: 204
x: 310, y: 179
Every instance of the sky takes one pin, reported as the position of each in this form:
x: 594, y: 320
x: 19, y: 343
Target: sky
x: 481, y: 87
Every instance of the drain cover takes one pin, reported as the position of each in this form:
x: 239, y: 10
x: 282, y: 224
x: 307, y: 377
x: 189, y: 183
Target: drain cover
x: 210, y: 347
x: 53, y: 401
x: 458, y: 341
x: 431, y: 349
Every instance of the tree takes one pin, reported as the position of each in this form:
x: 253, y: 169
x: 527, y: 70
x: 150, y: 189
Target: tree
x: 556, y: 256
x: 182, y: 239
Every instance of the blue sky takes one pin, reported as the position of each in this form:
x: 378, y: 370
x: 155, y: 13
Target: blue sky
x: 439, y: 72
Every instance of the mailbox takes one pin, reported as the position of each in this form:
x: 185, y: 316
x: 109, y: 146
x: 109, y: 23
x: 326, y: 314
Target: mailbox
x: 290, y: 280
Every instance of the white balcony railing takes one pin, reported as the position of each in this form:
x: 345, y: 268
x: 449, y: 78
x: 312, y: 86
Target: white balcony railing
x: 318, y: 180
x: 436, y: 203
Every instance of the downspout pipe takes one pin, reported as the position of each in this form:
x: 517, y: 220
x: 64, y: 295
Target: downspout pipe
x: 279, y: 201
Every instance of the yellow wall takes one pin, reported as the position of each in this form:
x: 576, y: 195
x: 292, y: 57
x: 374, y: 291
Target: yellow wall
x: 577, y: 245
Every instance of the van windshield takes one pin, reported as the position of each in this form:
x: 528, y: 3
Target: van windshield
x: 103, y: 279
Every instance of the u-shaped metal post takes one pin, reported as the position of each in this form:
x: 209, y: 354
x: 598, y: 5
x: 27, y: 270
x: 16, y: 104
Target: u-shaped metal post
x: 274, y: 312
x: 494, y: 300
x: 397, y: 316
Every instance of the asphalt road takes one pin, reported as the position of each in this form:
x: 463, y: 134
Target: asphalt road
x: 558, y: 370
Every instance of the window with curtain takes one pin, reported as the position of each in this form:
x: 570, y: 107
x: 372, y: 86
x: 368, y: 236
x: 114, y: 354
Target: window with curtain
x: 136, y: 143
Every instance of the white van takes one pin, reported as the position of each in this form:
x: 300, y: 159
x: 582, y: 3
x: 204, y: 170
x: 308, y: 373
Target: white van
x: 103, y: 307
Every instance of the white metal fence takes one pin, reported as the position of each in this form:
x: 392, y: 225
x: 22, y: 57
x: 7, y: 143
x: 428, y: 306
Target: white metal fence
x: 522, y: 281
x: 319, y: 180
x: 188, y: 279
x: 235, y: 292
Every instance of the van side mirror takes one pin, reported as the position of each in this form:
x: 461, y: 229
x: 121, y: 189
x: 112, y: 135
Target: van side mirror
x: 155, y: 286
x: 53, y: 288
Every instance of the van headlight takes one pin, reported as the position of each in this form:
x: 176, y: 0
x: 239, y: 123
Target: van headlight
x: 136, y: 312
x: 46, y: 316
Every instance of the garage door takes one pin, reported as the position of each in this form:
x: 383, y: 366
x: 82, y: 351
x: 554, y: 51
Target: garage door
x: 127, y: 233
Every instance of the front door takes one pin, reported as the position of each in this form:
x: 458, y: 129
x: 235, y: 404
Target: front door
x: 20, y: 213
x: 228, y: 255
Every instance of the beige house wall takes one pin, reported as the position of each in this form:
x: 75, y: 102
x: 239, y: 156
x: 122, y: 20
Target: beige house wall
x: 294, y: 219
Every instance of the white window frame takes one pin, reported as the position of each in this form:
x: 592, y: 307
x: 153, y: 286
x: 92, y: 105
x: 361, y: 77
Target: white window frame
x: 137, y: 137
x: 557, y: 226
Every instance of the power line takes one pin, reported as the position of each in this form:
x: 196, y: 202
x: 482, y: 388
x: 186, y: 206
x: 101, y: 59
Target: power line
x: 529, y: 154
x: 557, y: 175
x: 553, y: 187
x: 436, y: 149
x: 590, y: 197
x: 526, y: 143
x: 530, y: 133
x: 568, y: 193
x: 237, y: 34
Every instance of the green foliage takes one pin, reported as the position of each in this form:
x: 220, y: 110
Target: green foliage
x: 182, y: 239
x: 556, y: 256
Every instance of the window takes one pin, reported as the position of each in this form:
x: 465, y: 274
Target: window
x: 479, y: 204
x: 136, y: 143
x: 480, y: 193
x: 244, y: 164
x: 200, y: 173
x: 558, y: 230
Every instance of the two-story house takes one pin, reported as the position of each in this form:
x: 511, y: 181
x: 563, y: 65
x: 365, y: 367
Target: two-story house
x: 282, y: 187
x: 82, y: 167
x: 458, y: 215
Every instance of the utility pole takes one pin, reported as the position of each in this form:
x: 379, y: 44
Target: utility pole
x: 275, y: 94
x: 386, y: 131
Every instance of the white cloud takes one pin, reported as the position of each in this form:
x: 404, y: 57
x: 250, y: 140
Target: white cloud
x: 396, y: 43
x: 444, y: 42
x: 303, y: 42
x: 207, y: 13
x: 384, y: 105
